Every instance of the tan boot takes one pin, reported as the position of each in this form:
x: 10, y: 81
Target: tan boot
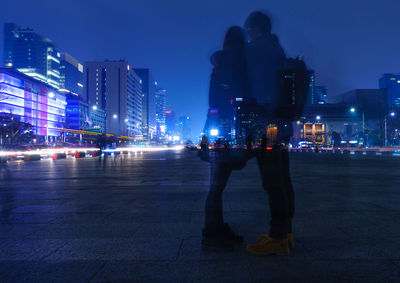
x: 268, y: 245
x: 290, y: 239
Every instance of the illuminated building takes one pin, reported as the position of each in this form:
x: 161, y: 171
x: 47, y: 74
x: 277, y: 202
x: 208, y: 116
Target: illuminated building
x: 149, y: 86
x: 33, y: 102
x: 391, y: 82
x: 71, y: 75
x: 321, y: 95
x: 114, y: 87
x: 313, y: 133
x: 170, y: 124
x: 184, y: 128
x: 77, y: 113
x: 160, y: 111
x: 32, y: 54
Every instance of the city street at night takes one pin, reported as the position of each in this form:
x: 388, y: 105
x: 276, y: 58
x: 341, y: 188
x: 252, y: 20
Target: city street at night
x: 139, y: 217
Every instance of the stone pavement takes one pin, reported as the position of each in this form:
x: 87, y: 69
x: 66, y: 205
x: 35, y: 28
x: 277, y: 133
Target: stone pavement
x: 139, y: 218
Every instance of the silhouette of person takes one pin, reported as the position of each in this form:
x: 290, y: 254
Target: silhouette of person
x: 228, y: 82
x: 265, y: 59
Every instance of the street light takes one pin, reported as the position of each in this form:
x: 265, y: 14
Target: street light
x: 318, y: 117
x: 352, y: 110
x: 393, y: 114
x: 115, y: 116
x: 94, y: 107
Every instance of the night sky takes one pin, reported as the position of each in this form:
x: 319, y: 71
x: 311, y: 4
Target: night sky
x: 348, y: 43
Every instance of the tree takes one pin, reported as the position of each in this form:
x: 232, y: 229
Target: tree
x: 13, y: 131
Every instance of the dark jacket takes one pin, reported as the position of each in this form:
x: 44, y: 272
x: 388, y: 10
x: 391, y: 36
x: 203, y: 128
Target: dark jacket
x: 265, y: 58
x: 228, y: 81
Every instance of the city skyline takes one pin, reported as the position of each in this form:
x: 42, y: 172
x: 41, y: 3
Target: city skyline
x: 180, y: 59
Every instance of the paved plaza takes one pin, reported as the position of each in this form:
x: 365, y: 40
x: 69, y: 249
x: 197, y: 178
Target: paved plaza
x: 139, y: 217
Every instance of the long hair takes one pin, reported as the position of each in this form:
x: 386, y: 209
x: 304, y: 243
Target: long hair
x: 235, y: 38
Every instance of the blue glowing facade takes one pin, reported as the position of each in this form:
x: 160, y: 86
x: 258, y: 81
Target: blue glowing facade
x: 34, y: 102
x: 77, y: 113
x: 32, y: 54
x: 71, y: 75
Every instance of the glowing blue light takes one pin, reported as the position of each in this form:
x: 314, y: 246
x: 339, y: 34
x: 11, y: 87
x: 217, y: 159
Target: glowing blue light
x: 214, y: 132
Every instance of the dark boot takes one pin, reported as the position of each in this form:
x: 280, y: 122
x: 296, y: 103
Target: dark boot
x: 216, y: 240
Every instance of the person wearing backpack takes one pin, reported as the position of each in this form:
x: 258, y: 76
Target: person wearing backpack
x: 265, y: 61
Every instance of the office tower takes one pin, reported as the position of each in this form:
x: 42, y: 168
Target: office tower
x: 77, y: 113
x: 321, y: 95
x: 149, y: 86
x: 311, y: 97
x: 114, y: 87
x: 31, y: 54
x: 391, y: 82
x: 184, y: 128
x: 33, y: 102
x: 170, y: 124
x: 71, y: 75
x: 160, y: 111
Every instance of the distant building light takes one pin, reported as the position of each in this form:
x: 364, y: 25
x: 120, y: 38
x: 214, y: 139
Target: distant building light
x: 80, y: 85
x: 298, y: 122
x: 398, y: 81
x: 393, y: 114
x: 126, y: 120
x: 129, y: 67
x: 214, y: 111
x: 94, y: 107
x: 115, y: 116
x: 187, y: 117
x: 318, y: 117
x: 239, y: 99
x: 155, y: 83
x: 58, y: 54
x: 80, y: 68
x: 214, y: 132
x: 353, y: 142
x: 352, y: 110
x: 176, y: 138
x: 9, y: 65
x: 51, y: 94
x: 140, y: 81
x: 168, y: 112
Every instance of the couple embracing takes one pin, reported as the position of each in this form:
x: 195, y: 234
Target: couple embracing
x: 248, y: 68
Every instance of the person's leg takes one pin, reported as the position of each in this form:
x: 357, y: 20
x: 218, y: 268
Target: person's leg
x: 271, y: 168
x: 288, y: 187
x: 213, y: 211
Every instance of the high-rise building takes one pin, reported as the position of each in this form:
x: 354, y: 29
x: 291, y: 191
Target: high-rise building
x: 311, y: 97
x: 160, y: 111
x: 71, y: 75
x: 33, y: 102
x: 170, y: 124
x: 184, y: 128
x: 149, y: 86
x: 31, y: 54
x: 391, y: 82
x: 321, y: 95
x: 77, y: 113
x: 113, y: 86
